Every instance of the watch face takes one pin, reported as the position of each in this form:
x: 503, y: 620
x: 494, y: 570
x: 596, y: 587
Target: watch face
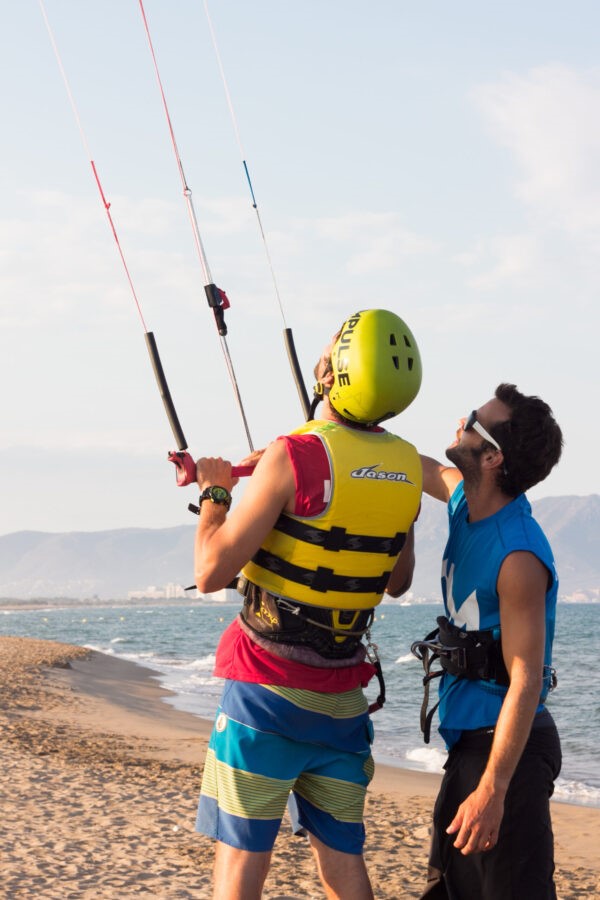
x: 216, y: 494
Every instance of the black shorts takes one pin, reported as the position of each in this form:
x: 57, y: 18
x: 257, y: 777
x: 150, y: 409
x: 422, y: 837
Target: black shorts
x: 521, y: 865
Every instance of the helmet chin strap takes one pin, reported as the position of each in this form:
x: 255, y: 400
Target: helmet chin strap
x: 319, y: 391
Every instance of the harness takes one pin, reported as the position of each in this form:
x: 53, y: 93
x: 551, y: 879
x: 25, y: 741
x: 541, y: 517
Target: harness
x: 335, y: 634
x: 476, y: 655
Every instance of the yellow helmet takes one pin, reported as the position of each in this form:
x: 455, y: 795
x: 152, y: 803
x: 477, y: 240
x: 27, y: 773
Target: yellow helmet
x: 376, y: 367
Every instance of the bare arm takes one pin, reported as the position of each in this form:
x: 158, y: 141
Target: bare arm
x: 402, y: 573
x: 439, y: 480
x: 224, y: 543
x: 522, y: 587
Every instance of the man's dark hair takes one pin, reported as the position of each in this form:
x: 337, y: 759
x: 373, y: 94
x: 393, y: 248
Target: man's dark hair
x: 531, y: 441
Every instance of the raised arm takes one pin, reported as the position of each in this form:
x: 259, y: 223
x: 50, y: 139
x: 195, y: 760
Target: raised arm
x: 439, y: 480
x: 224, y: 543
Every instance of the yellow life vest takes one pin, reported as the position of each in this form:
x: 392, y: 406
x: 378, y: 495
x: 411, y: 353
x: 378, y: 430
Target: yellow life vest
x: 342, y: 558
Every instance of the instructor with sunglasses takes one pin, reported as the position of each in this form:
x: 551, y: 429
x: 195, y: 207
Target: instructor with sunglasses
x: 492, y: 833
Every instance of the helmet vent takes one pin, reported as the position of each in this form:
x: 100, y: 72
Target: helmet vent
x: 410, y: 363
x: 392, y: 339
x: 406, y: 341
x: 396, y: 362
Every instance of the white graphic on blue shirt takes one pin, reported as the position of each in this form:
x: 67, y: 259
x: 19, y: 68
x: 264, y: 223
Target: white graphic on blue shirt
x: 467, y: 616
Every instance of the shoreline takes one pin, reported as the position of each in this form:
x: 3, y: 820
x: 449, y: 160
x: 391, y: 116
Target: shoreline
x: 8, y: 604
x: 101, y: 779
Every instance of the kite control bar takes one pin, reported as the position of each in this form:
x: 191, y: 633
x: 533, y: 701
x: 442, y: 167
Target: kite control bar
x: 186, y: 468
x: 183, y: 461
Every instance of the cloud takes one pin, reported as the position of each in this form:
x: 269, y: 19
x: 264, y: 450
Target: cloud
x: 225, y: 215
x: 60, y: 259
x: 548, y: 119
x: 502, y: 259
x: 375, y: 242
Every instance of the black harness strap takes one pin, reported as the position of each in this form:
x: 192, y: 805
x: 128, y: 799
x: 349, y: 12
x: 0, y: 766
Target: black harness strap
x: 337, y: 538
x: 476, y: 655
x: 377, y: 704
x: 335, y: 634
x: 426, y: 651
x: 321, y: 579
x: 332, y: 633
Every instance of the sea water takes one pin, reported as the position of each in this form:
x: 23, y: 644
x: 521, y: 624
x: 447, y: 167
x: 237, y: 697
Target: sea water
x: 178, y: 641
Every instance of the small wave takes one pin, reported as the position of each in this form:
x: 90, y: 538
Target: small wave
x: 203, y: 662
x: 172, y: 664
x: 429, y: 759
x: 108, y: 651
x: 408, y: 657
x: 576, y: 792
x: 119, y: 640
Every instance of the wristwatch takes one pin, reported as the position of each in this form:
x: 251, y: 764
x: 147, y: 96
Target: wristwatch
x: 216, y: 494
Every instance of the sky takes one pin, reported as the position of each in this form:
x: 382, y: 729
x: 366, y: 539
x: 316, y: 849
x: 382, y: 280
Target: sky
x: 440, y: 160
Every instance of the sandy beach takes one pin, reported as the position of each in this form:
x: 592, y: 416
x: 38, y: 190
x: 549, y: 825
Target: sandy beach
x: 99, y: 785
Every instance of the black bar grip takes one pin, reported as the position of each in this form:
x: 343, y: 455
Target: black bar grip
x: 215, y: 301
x: 293, y: 359
x: 164, y: 391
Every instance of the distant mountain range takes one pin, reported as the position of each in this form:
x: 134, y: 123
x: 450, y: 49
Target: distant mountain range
x: 110, y: 565
x: 571, y: 524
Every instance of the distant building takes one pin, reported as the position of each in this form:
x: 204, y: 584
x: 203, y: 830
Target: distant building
x: 170, y: 591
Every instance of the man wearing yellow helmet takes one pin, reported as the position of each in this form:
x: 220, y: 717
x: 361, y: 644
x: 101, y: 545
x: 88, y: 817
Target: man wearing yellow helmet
x: 323, y: 529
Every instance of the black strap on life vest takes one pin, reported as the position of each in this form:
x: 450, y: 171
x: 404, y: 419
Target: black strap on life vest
x: 337, y: 538
x: 322, y: 579
x: 476, y: 655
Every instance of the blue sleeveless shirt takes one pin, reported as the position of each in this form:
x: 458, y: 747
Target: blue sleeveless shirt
x: 472, y: 559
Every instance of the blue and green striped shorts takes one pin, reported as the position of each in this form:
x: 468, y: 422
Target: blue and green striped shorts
x: 268, y: 741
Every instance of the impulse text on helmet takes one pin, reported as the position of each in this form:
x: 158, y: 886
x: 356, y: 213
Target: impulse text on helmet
x: 369, y: 472
x: 341, y: 363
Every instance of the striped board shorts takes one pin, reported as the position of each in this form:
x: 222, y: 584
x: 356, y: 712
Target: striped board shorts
x: 268, y: 741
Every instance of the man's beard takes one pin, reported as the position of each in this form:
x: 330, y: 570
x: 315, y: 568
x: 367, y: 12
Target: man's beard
x: 466, y: 461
